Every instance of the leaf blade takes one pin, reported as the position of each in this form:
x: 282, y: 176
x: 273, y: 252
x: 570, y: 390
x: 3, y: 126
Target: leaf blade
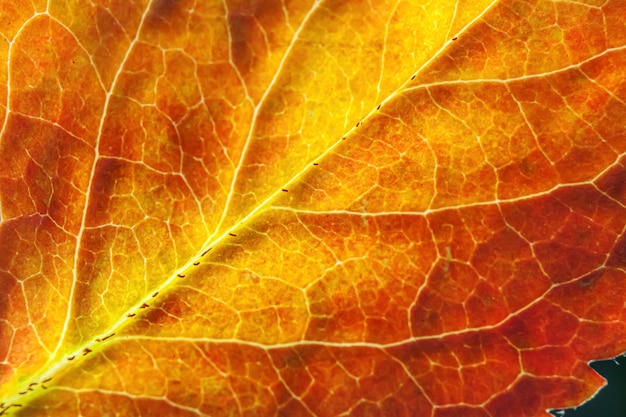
x: 402, y: 253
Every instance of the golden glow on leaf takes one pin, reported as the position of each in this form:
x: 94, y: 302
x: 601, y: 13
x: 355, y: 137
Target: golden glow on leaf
x: 310, y: 207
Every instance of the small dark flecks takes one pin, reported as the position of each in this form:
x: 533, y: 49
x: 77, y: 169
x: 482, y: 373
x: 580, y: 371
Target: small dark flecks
x: 181, y: 276
x: 285, y: 191
x: 413, y: 77
x: 130, y: 315
x: 155, y: 294
x: 343, y: 138
x: 315, y: 164
x: 31, y: 385
x: 4, y: 408
x: 206, y: 251
x: 455, y: 38
x: 232, y: 234
x: 144, y: 305
x: 378, y: 107
x: 196, y: 263
x: 108, y: 337
x: 71, y: 358
x: 23, y: 392
x: 86, y: 351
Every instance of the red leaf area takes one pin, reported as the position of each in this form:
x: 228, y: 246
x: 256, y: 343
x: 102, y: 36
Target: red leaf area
x: 310, y: 208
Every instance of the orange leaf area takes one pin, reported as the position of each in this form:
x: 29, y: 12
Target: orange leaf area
x: 310, y: 208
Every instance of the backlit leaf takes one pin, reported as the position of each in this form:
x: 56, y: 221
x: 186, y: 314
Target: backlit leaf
x: 310, y: 208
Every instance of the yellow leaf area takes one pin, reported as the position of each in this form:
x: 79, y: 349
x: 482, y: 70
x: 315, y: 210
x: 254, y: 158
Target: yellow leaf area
x: 310, y: 208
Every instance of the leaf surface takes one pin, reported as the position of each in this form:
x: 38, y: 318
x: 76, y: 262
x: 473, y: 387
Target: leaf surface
x: 311, y: 208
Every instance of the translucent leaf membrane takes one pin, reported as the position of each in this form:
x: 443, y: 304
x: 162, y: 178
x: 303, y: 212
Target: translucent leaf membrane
x: 310, y: 208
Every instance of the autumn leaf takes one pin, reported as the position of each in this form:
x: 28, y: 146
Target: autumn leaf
x: 310, y: 208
